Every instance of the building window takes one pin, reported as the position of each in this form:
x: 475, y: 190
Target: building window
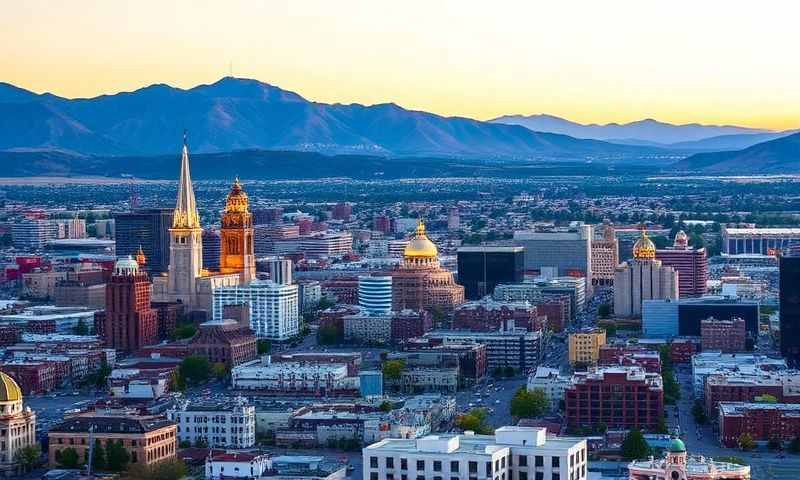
x: 373, y: 475
x: 522, y: 461
x: 420, y: 465
x: 373, y: 462
x: 389, y: 462
x: 437, y: 466
x: 473, y: 467
x: 539, y: 461
x: 488, y: 469
x: 403, y: 464
x: 522, y: 476
x: 556, y: 462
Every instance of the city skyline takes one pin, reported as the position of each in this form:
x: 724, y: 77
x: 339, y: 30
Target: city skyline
x: 590, y: 63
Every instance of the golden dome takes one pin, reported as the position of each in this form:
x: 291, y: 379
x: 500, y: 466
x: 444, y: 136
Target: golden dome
x: 644, y: 248
x: 9, y: 390
x: 420, y: 245
x: 237, y: 199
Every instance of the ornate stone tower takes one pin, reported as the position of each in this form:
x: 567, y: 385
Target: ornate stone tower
x: 236, y: 235
x: 185, y: 240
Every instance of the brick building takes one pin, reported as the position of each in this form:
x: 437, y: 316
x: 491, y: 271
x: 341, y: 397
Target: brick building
x: 471, y: 355
x: 630, y: 355
x: 489, y: 315
x: 762, y: 421
x: 727, y: 336
x: 129, y: 321
x: 690, y: 263
x: 333, y: 317
x: 681, y: 350
x: 169, y: 314
x: 147, y: 439
x: 408, y: 324
x: 33, y: 377
x: 745, y: 388
x: 225, y: 342
x: 618, y: 397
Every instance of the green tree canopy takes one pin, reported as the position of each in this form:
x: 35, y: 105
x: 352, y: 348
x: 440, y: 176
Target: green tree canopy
x: 393, y: 369
x: 604, y: 310
x: 264, y: 346
x: 194, y: 369
x: 746, y: 441
x: 474, y: 420
x: 67, y: 458
x: 635, y: 446
x: 529, y: 404
x: 98, y: 456
x: 164, y: 470
x: 327, y: 335
x: 117, y: 457
x: 28, y: 456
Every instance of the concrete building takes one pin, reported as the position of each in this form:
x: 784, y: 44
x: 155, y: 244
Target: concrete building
x: 552, y: 383
x: 327, y: 244
x: 762, y: 241
x: 643, y: 278
x: 274, y: 308
x: 223, y: 424
x: 789, y: 315
x: 33, y: 235
x: 211, y: 248
x: 280, y: 270
x: 690, y: 263
x: 375, y: 294
x: 295, y: 377
x: 148, y: 439
x: 558, y: 252
x: 516, y: 348
x: 671, y: 318
x: 511, y: 453
x: 708, y: 363
x: 605, y: 256
x: 584, y: 346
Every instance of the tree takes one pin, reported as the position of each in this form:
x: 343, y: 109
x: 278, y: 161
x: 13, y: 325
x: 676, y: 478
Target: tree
x: 609, y: 327
x: 81, y: 328
x: 117, y: 457
x: 194, y: 369
x: 184, y: 444
x: 529, y: 404
x: 184, y: 330
x: 775, y: 443
x: 604, y: 310
x: 661, y: 427
x: 794, y: 447
x: 28, y: 456
x: 264, y: 346
x: 386, y: 406
x: 98, y: 456
x: 746, y: 441
x: 165, y: 470
x: 219, y: 370
x: 699, y: 412
x: 474, y: 420
x: 67, y: 458
x: 327, y: 335
x: 437, y: 314
x: 200, y: 443
x: 393, y: 369
x: 635, y: 446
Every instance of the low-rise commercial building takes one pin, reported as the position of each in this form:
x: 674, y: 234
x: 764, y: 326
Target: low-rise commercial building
x: 515, y: 348
x: 762, y: 421
x: 727, y: 336
x: 223, y: 424
x: 584, y: 346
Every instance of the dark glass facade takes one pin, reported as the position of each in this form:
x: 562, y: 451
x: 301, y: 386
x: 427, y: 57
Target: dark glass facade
x: 690, y: 315
x: 480, y: 269
x: 148, y: 228
x: 789, y: 285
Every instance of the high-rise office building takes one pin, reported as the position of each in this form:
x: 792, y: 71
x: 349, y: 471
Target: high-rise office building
x: 375, y: 294
x: 148, y: 228
x: 690, y: 263
x: 453, y: 219
x: 280, y: 271
x: 263, y: 216
x: 130, y: 323
x: 559, y: 253
x: 643, y: 278
x: 605, y: 256
x: 274, y: 308
x: 789, y: 287
x: 342, y: 211
x: 211, y: 248
x: 32, y: 235
x: 482, y: 268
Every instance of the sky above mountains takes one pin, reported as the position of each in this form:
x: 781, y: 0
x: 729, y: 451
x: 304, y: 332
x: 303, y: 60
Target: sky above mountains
x: 680, y: 62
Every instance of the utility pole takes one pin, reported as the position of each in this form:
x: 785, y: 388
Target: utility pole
x: 91, y: 451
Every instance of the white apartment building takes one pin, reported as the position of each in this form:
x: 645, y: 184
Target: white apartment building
x: 292, y: 377
x: 31, y: 235
x: 327, y: 244
x: 230, y: 424
x: 512, y: 453
x: 552, y: 382
x: 274, y: 308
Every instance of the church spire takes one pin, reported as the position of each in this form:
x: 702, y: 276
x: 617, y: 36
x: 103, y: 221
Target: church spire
x: 185, y: 215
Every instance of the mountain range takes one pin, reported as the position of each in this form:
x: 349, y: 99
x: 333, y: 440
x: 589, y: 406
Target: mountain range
x: 649, y: 132
x: 235, y: 114
x: 777, y: 156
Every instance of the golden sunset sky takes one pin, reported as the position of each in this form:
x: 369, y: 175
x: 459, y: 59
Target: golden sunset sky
x: 709, y: 61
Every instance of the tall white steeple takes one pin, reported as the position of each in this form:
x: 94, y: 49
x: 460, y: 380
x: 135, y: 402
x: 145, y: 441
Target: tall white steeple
x: 185, y: 245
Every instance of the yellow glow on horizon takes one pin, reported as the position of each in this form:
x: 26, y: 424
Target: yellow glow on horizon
x: 681, y: 61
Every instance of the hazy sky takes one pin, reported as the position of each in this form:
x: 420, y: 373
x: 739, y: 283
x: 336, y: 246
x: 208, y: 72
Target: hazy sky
x: 710, y: 61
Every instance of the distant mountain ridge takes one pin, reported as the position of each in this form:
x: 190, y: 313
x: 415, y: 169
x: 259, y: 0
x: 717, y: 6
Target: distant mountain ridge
x: 642, y: 131
x: 777, y: 156
x: 238, y: 114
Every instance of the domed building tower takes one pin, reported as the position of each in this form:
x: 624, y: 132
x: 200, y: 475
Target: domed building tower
x: 17, y: 424
x: 236, y: 235
x: 420, y: 283
x: 677, y: 465
x: 643, y: 278
x: 690, y: 263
